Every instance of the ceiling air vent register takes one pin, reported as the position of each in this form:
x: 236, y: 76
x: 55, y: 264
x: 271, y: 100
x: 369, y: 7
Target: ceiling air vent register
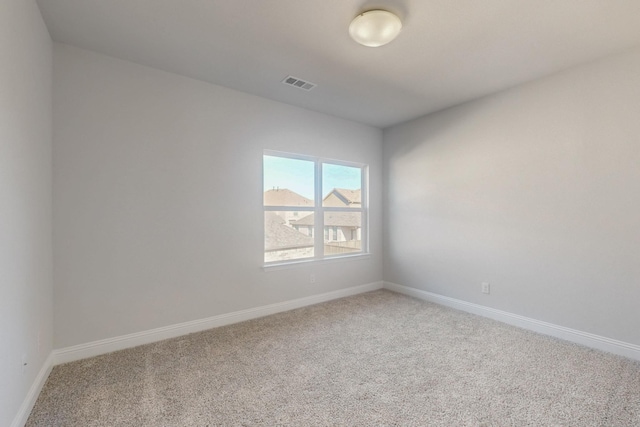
x: 300, y: 84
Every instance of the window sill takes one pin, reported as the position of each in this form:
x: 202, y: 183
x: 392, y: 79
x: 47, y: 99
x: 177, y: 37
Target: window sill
x: 313, y: 262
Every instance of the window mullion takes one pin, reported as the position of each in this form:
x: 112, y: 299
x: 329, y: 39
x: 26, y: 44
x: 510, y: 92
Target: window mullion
x: 341, y: 209
x: 364, y: 203
x: 319, y: 215
x: 289, y: 208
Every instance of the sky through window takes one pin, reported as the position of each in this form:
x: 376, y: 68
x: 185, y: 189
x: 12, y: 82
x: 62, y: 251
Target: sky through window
x: 297, y: 176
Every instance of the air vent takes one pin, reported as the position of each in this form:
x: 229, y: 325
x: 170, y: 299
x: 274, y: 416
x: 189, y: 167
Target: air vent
x: 300, y: 84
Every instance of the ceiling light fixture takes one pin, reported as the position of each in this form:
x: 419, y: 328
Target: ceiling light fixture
x: 375, y: 28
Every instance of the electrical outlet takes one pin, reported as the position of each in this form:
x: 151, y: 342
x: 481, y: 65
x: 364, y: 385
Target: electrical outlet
x: 24, y: 363
x: 312, y: 278
x: 485, y: 288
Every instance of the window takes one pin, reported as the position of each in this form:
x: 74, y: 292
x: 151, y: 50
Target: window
x: 303, y: 194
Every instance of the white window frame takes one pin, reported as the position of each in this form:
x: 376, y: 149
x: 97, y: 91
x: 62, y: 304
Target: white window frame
x: 320, y: 210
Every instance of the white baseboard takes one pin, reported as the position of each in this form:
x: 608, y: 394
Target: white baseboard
x: 95, y: 348
x: 34, y: 391
x: 597, y: 342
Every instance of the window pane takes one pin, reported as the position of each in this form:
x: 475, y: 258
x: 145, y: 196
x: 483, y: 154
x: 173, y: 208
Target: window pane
x: 342, y: 232
x: 341, y: 186
x: 288, y: 182
x: 288, y: 235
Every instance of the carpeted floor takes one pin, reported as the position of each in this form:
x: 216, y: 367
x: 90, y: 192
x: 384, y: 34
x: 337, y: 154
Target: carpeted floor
x: 373, y: 359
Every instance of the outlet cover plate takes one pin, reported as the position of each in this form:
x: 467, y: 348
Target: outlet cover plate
x: 486, y: 288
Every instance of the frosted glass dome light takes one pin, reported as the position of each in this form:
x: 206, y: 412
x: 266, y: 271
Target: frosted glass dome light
x: 375, y: 28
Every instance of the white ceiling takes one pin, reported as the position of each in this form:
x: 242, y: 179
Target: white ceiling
x: 449, y: 51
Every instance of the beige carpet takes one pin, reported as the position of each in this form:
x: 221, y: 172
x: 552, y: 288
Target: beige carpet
x: 374, y: 359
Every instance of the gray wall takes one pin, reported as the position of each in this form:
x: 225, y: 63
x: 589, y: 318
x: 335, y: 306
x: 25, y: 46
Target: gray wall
x: 158, y: 197
x: 25, y: 200
x: 535, y: 190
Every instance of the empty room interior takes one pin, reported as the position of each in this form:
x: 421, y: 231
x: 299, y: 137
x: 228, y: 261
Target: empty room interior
x: 397, y: 212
